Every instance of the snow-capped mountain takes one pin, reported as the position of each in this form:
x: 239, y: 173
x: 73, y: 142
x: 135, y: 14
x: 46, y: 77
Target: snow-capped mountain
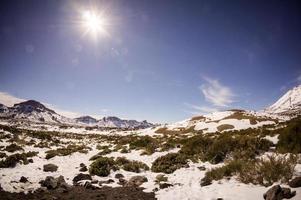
x: 123, y: 123
x: 112, y: 122
x: 86, y: 120
x: 288, y: 104
x: 34, y: 111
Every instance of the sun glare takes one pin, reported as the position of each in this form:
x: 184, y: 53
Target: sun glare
x: 94, y: 23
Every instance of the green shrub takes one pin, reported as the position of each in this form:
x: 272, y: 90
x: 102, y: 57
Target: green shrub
x: 268, y: 171
x: 102, y: 166
x: 67, y: 151
x: 223, y: 127
x: 260, y: 171
x: 196, y: 147
x: 13, y: 147
x: 124, y: 150
x: 227, y: 170
x: 169, y: 163
x: 13, y: 159
x: 131, y: 165
x: 146, y: 143
x: 161, y: 178
x: 43, y: 135
x: 216, y: 149
x: 290, y: 138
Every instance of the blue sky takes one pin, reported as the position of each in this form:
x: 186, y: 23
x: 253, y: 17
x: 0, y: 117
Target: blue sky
x: 163, y: 61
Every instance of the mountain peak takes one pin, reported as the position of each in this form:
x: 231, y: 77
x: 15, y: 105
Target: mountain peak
x: 30, y: 106
x: 86, y: 119
x: 289, y: 103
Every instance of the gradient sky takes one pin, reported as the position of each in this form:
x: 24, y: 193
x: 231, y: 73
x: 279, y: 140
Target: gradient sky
x: 162, y: 60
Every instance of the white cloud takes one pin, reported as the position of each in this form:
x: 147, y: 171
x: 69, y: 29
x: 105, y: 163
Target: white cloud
x: 200, y: 109
x: 216, y: 93
x: 9, y: 100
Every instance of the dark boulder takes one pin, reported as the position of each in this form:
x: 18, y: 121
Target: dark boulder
x: 81, y: 177
x: 23, y: 179
x: 136, y: 181
x: 295, y: 182
x: 278, y: 193
x: 50, y: 168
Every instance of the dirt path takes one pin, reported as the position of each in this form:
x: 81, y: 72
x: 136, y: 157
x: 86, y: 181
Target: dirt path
x: 81, y: 193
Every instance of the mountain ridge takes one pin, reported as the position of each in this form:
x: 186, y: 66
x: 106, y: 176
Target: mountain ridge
x: 34, y: 111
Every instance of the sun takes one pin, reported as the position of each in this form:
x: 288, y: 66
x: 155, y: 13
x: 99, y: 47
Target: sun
x: 94, y: 23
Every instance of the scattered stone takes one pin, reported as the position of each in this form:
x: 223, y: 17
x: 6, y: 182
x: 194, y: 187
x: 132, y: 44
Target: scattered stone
x: 23, y: 179
x: 118, y: 176
x: 219, y: 198
x: 30, y: 160
x: 53, y: 183
x: 81, y: 177
x: 295, y: 182
x: 50, y: 168
x: 202, y: 168
x: 122, y: 182
x: 49, y: 183
x: 136, y: 181
x: 161, y: 178
x: 165, y: 185
x: 205, y: 182
x: 83, y: 169
x: 278, y: 193
x: 82, y: 165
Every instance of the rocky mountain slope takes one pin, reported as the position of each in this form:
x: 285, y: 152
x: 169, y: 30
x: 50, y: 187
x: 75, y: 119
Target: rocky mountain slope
x: 288, y: 104
x: 34, y: 111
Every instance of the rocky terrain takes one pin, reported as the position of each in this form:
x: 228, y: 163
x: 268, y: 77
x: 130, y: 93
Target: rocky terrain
x: 234, y: 154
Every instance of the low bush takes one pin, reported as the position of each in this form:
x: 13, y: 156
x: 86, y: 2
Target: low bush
x: 169, y: 163
x: 224, y: 127
x: 131, y: 165
x: 216, y: 149
x: 13, y: 147
x: 102, y: 166
x: 290, y: 137
x: 13, y: 159
x: 146, y: 143
x: 218, y: 173
x: 67, y: 151
x: 263, y: 171
x: 161, y: 178
x: 268, y: 171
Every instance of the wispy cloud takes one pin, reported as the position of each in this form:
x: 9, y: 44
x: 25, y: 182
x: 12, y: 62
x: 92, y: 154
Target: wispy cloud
x: 200, y: 109
x: 216, y: 93
x: 299, y: 78
x: 9, y: 100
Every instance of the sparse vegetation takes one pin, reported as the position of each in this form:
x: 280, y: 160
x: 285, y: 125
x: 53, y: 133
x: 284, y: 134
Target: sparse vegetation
x: 13, y: 159
x: 169, y: 163
x: 263, y: 171
x: 146, y: 143
x: 290, y: 137
x: 224, y: 127
x: 13, y: 147
x: 102, y: 166
x: 67, y: 151
x: 131, y: 165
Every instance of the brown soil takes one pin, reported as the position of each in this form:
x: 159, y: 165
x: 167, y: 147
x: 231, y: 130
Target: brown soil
x: 81, y: 193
